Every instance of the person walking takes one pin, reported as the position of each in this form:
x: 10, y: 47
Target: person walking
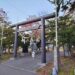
x: 33, y: 47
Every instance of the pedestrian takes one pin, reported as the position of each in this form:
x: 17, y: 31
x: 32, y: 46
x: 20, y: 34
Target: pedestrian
x: 54, y: 71
x: 33, y: 47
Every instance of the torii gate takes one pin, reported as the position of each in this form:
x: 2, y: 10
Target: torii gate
x: 42, y: 19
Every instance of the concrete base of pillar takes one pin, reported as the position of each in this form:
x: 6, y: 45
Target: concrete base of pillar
x: 12, y: 58
x: 42, y: 64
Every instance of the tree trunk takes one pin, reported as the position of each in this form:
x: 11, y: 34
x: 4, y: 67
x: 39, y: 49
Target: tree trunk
x: 58, y: 51
x: 53, y: 47
x: 69, y: 49
x: 64, y: 51
x: 9, y: 50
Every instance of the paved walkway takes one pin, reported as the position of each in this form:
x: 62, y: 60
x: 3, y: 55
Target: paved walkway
x: 23, y: 65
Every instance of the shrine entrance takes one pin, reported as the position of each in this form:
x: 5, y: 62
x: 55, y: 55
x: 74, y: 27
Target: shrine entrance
x: 42, y: 27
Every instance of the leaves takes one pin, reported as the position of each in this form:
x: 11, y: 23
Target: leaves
x: 66, y: 30
x: 58, y: 4
x: 9, y: 37
x: 70, y: 6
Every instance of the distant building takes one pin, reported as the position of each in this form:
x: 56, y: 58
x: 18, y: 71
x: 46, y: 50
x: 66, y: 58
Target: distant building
x: 34, y: 27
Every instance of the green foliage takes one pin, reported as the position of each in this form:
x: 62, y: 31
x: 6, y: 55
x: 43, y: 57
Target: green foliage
x: 50, y: 31
x: 66, y: 31
x: 70, y: 4
x: 6, y: 33
x: 19, y: 40
x: 9, y: 37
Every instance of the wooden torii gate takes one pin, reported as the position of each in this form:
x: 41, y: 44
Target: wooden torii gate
x: 42, y: 19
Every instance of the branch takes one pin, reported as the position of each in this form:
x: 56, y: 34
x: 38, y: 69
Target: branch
x: 51, y: 2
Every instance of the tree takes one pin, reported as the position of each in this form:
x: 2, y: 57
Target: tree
x: 70, y: 7
x: 9, y: 38
x: 6, y: 32
x: 57, y: 4
x: 3, y: 21
x: 50, y: 32
x: 66, y: 32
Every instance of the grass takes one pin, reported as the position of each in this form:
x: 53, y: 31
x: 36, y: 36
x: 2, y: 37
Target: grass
x: 46, y: 70
x: 5, y: 57
x: 67, y: 67
x: 64, y: 72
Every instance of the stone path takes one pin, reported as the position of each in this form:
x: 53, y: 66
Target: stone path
x: 23, y: 65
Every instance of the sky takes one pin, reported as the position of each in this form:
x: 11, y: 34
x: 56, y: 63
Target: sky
x: 20, y: 10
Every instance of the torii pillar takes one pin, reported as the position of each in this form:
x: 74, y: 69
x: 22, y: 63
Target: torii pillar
x: 16, y: 41
x: 43, y: 40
